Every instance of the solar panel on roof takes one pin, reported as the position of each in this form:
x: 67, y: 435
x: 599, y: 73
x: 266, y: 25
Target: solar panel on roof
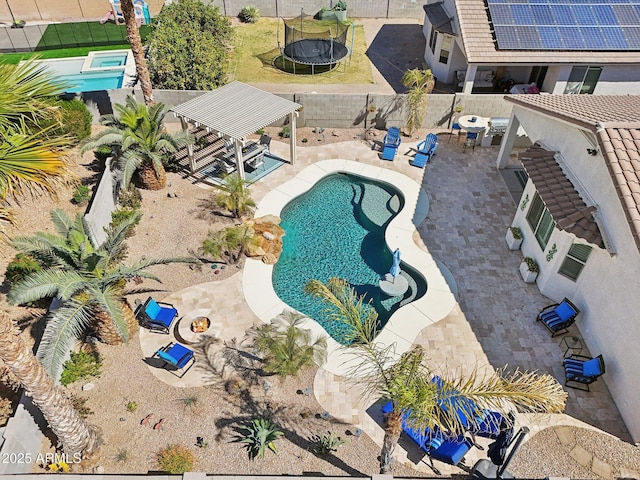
x: 575, y: 25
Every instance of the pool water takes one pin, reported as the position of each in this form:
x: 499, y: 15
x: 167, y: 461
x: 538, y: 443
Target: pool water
x: 108, y: 60
x: 336, y: 229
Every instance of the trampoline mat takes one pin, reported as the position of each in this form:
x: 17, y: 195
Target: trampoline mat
x: 315, y: 51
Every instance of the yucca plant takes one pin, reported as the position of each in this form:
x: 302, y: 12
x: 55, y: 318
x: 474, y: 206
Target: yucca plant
x: 408, y: 380
x: 234, y: 196
x: 249, y: 14
x: 325, y: 444
x: 259, y: 435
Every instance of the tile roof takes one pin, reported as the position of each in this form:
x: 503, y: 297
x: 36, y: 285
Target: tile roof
x: 615, y: 122
x: 559, y: 195
x: 480, y: 48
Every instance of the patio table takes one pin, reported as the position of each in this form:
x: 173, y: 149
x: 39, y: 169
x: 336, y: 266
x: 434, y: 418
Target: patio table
x: 473, y: 123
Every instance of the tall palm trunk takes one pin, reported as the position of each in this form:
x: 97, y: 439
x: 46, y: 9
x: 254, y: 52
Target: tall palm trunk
x: 138, y: 53
x: 75, y: 434
x: 107, y: 331
x: 151, y: 179
x: 391, y: 437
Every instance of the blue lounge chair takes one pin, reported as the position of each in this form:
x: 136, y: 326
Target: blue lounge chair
x: 581, y: 371
x: 437, y: 445
x: 178, y: 358
x: 156, y: 316
x: 425, y: 150
x: 391, y: 143
x: 559, y: 316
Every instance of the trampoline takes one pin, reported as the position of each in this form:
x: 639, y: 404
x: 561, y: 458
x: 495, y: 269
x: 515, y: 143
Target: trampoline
x: 314, y: 43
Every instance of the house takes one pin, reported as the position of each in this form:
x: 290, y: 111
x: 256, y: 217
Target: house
x: 580, y: 218
x: 562, y: 46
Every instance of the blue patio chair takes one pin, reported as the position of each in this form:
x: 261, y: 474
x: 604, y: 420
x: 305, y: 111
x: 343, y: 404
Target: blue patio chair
x: 391, y: 143
x: 455, y: 128
x: 558, y: 317
x: 470, y: 141
x: 581, y: 371
x: 437, y: 445
x: 177, y: 358
x: 425, y: 150
x: 156, y: 316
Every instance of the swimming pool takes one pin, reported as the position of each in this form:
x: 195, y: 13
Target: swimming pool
x: 106, y: 70
x: 337, y: 229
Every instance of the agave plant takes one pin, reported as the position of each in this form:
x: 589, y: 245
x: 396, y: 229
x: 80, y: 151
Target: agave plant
x: 259, y: 435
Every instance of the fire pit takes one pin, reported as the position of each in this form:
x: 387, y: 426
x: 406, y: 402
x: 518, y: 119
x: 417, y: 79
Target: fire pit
x: 200, y: 325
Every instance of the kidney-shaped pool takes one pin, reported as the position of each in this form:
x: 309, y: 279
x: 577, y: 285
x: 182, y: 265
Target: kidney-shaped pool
x: 337, y: 229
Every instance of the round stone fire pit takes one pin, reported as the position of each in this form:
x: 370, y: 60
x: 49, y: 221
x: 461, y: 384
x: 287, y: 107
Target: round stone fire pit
x: 194, y: 325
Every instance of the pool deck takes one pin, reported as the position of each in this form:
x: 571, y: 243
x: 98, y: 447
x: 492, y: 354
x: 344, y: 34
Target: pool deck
x: 491, y: 325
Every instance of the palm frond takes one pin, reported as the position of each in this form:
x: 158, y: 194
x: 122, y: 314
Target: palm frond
x: 47, y: 283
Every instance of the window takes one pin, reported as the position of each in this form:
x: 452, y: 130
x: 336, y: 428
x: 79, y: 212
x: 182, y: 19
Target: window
x: 445, y: 49
x: 432, y: 39
x: 583, y: 80
x: 575, y: 260
x: 540, y: 221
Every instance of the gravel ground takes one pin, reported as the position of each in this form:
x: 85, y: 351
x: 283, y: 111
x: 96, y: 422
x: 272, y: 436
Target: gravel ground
x: 175, y: 226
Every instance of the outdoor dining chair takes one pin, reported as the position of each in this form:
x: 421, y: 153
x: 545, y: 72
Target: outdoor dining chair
x: 455, y: 129
x: 470, y: 141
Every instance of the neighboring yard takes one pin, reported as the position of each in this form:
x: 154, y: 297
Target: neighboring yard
x: 256, y: 50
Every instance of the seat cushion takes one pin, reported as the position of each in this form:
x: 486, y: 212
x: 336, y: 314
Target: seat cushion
x: 181, y: 354
x: 166, y: 315
x: 564, y: 311
x: 152, y: 309
x: 166, y: 357
x: 451, y: 452
x: 591, y: 368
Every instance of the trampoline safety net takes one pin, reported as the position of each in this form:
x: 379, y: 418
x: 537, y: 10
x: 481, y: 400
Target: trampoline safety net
x: 319, y: 44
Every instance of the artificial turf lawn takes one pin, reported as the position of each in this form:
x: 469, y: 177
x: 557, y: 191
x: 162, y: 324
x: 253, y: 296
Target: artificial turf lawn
x: 256, y: 52
x: 15, y: 58
x: 85, y: 34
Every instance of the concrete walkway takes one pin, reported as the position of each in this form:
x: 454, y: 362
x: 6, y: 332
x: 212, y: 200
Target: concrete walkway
x: 493, y: 323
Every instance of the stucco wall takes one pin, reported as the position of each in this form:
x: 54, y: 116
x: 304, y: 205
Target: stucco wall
x: 608, y: 319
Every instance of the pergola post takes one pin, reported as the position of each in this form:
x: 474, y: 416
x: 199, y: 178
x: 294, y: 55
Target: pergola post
x: 239, y: 159
x: 192, y: 160
x: 292, y: 136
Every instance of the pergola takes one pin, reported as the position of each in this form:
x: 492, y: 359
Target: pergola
x: 235, y: 111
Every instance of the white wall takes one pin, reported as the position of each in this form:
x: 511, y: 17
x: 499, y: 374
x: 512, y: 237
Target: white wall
x: 619, y: 79
x: 606, y: 289
x: 457, y: 60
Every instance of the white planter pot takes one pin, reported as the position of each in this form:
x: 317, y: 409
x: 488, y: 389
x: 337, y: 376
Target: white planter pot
x: 527, y: 275
x: 512, y: 242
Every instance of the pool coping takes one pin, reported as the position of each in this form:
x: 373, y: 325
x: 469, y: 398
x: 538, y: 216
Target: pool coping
x: 408, y: 321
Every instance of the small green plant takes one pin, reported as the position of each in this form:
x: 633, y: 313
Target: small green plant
x: 304, y: 140
x: 249, y: 14
x: 201, y: 442
x: 371, y: 108
x: 130, y: 198
x: 260, y: 131
x: 235, y: 386
x: 175, y: 459
x: 122, y: 455
x: 121, y: 215
x: 131, y: 406
x: 80, y: 365
x: 340, y: 6
x: 191, y: 402
x: 516, y: 232
x: 458, y: 109
x: 102, y: 153
x: 285, y: 132
x: 81, y: 195
x: 532, y: 265
x: 325, y: 444
x: 259, y: 435
x: 21, y: 267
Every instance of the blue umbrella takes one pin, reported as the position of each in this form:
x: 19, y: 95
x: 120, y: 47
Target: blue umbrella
x: 395, y: 267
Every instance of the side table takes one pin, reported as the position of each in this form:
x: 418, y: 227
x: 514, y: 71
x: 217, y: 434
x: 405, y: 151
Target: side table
x: 572, y: 344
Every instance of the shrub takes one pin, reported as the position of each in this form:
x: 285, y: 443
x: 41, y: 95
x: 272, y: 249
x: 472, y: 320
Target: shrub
x: 80, y: 406
x: 340, y: 6
x: 131, y: 406
x: 259, y: 435
x: 81, y: 195
x: 74, y: 120
x: 122, y: 214
x: 189, y: 47
x: 285, y: 132
x: 21, y: 267
x: 516, y: 232
x: 81, y: 365
x: 130, y: 198
x: 175, y: 459
x: 532, y: 265
x: 325, y: 444
x: 249, y: 14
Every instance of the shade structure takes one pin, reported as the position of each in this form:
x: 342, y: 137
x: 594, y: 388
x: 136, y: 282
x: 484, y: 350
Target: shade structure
x: 395, y: 266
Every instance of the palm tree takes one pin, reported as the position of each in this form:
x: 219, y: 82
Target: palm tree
x: 420, y: 84
x: 287, y: 346
x: 88, y: 281
x: 135, y: 41
x: 234, y: 196
x: 76, y: 436
x: 229, y: 243
x: 30, y: 162
x: 407, y: 379
x: 140, y: 142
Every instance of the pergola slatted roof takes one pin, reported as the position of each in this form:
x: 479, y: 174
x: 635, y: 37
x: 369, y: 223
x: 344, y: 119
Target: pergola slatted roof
x: 235, y: 110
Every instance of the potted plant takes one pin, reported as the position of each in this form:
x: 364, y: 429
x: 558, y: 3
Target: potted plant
x: 514, y: 238
x: 340, y: 10
x: 529, y: 270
